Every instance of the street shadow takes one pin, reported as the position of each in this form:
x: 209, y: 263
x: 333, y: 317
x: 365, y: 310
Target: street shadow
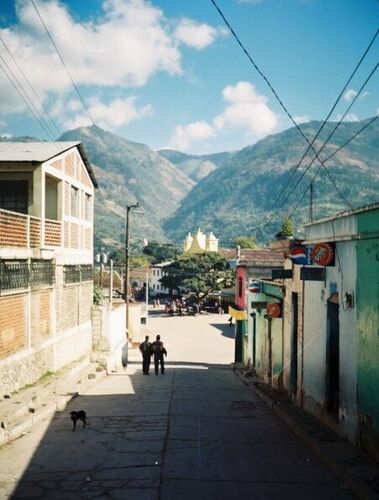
x: 226, y: 330
x: 120, y: 451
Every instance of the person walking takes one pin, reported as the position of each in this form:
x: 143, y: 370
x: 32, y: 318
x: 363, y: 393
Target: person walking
x: 159, y: 355
x: 146, y: 351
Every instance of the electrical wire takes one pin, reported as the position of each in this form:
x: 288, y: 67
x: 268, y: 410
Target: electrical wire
x: 25, y: 98
x: 297, y: 166
x: 330, y: 157
x: 30, y: 85
x: 260, y: 72
x: 63, y: 63
x: 331, y: 135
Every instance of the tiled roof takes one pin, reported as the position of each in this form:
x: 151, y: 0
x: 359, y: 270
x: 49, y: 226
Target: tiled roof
x: 251, y: 255
x: 40, y: 152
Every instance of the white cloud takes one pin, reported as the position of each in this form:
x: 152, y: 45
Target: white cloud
x: 364, y: 94
x: 349, y: 95
x: 125, y: 48
x: 245, y: 109
x: 185, y: 135
x: 302, y: 119
x: 197, y: 35
x: 6, y: 135
x: 350, y: 117
x: 117, y: 113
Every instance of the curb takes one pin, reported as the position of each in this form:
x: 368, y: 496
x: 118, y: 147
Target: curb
x: 356, y: 486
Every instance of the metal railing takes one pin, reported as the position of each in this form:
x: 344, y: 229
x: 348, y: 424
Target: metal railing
x: 14, y: 274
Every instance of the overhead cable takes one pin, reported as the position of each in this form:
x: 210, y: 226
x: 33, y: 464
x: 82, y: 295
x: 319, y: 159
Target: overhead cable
x: 295, y: 168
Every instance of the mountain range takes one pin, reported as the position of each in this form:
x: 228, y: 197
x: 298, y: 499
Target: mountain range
x: 231, y: 194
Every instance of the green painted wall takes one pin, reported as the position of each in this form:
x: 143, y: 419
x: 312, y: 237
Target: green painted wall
x: 276, y: 333
x: 367, y: 303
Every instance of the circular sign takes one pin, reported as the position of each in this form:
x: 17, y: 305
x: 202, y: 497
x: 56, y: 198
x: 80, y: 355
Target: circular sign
x: 274, y: 310
x: 298, y: 255
x: 322, y: 254
x: 255, y: 287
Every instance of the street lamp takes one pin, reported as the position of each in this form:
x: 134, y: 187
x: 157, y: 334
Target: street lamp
x: 129, y: 209
x: 101, y: 258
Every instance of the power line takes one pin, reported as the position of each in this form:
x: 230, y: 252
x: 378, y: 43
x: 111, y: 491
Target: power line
x: 30, y: 85
x: 327, y: 118
x: 260, y: 72
x: 63, y: 63
x: 330, y: 157
x: 25, y: 97
x: 332, y: 133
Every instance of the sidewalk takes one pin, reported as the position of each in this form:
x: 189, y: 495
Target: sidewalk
x: 353, y: 469
x: 20, y: 411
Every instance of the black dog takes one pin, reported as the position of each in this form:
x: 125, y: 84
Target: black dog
x: 78, y: 415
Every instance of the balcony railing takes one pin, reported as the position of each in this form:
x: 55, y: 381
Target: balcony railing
x: 24, y: 231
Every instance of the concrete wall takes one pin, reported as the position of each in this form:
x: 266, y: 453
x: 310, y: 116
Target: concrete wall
x: 339, y: 278
x: 109, y: 339
x: 293, y: 285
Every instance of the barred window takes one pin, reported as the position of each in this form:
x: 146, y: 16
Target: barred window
x: 71, y: 274
x: 42, y: 273
x: 87, y: 273
x: 14, y: 274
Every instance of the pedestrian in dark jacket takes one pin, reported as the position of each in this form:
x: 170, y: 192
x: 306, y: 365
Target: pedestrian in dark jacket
x: 146, y: 350
x: 159, y: 354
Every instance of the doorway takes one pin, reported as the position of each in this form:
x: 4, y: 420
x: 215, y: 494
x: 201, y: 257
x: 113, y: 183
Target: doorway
x: 332, y: 355
x: 294, y: 343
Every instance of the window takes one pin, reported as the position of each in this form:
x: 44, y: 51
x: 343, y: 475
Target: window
x: 14, y: 196
x: 74, y: 201
x: 88, y: 206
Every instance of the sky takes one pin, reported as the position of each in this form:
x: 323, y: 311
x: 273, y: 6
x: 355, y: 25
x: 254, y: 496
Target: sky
x: 168, y: 73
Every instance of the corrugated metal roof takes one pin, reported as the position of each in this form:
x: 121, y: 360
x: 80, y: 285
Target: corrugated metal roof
x: 40, y: 152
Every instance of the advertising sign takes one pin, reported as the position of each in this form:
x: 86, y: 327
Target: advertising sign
x: 323, y: 254
x: 274, y: 310
x: 255, y: 287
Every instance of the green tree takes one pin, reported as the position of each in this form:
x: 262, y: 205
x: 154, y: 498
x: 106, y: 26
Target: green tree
x: 161, y: 252
x: 287, y: 227
x: 245, y: 242
x: 200, y: 274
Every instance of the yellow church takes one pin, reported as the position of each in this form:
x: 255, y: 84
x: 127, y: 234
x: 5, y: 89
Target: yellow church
x: 200, y: 242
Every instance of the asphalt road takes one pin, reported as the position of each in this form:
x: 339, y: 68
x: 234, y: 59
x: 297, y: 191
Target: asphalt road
x: 196, y: 433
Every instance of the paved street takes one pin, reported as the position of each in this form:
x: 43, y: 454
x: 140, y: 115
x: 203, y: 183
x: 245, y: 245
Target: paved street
x: 195, y: 433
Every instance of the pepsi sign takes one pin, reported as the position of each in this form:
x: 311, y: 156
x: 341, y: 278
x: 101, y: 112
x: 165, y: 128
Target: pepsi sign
x: 255, y: 287
x: 300, y: 255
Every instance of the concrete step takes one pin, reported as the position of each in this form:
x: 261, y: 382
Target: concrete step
x: 28, y: 406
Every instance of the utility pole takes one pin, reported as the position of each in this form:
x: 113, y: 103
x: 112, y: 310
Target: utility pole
x: 129, y: 208
x: 311, y: 202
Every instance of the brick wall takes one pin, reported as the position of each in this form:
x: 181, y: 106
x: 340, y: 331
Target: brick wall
x: 70, y: 164
x: 40, y: 316
x: 67, y: 198
x: 86, y: 300
x: 74, y: 235
x: 12, y: 324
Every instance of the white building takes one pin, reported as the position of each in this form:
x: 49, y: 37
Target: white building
x: 200, y: 242
x: 156, y: 272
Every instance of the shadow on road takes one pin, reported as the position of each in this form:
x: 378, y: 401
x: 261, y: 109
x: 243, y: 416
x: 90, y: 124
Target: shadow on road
x: 226, y: 330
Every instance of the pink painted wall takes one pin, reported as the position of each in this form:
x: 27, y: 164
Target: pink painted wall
x: 241, y: 287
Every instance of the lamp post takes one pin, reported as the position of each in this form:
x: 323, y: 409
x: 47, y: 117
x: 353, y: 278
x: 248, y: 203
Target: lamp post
x: 129, y: 209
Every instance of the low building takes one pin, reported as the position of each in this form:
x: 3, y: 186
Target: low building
x: 252, y: 265
x: 341, y: 321
x: 46, y: 257
x: 156, y: 272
